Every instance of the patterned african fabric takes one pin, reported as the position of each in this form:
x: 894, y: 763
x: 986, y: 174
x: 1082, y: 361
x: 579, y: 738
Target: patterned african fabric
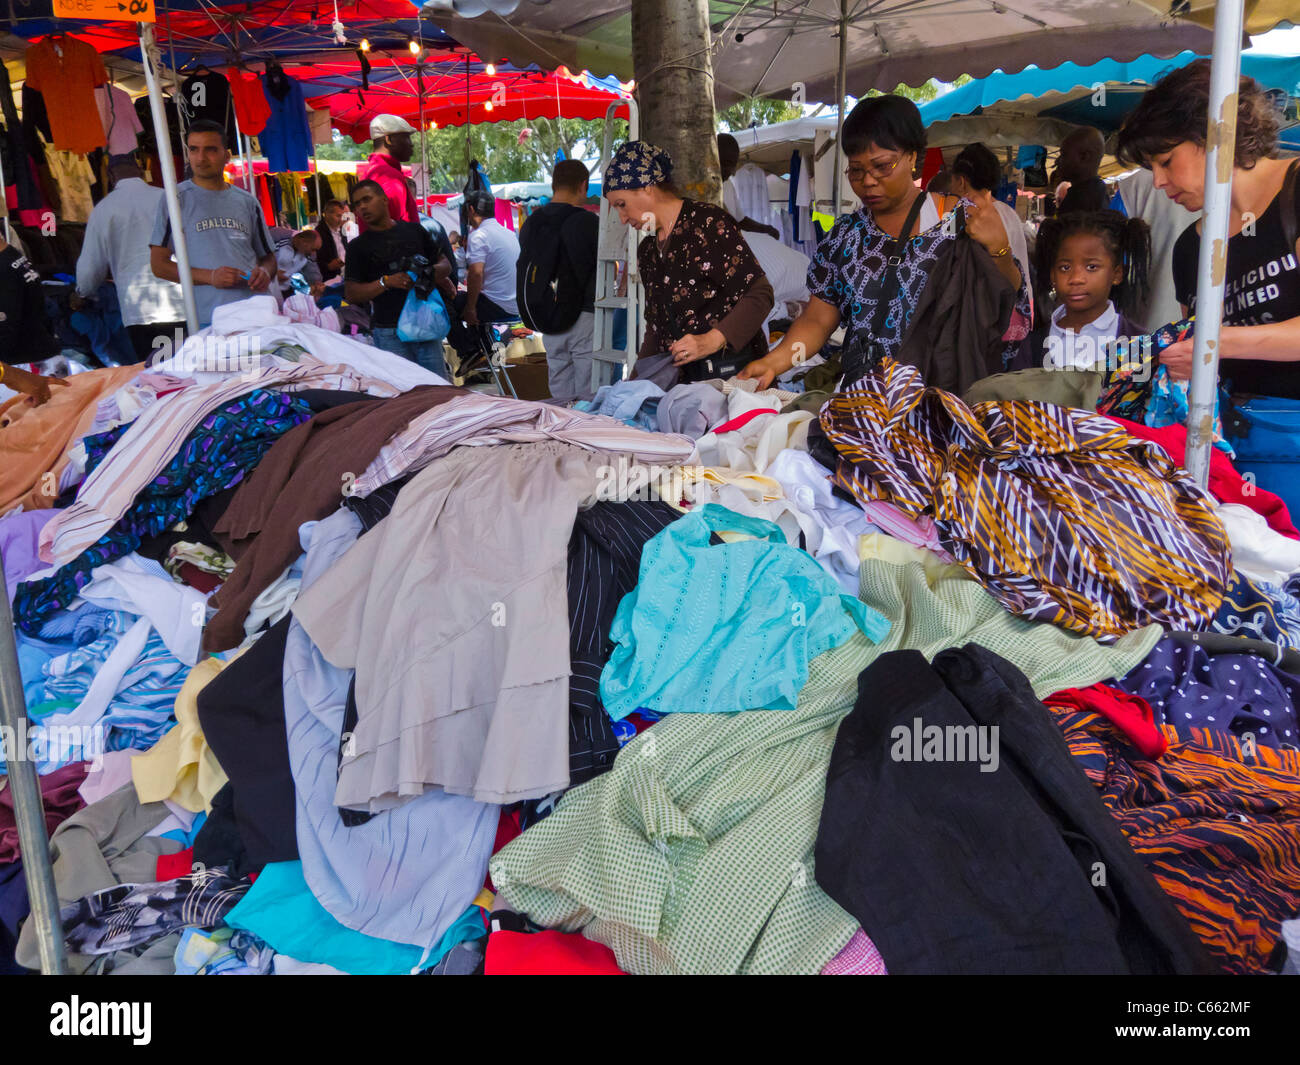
x: 694, y: 854
x: 1061, y: 514
x: 226, y: 444
x: 1219, y: 830
x: 1259, y: 610
x: 848, y: 272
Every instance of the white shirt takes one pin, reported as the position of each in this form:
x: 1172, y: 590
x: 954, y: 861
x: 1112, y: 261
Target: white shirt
x: 786, y: 268
x: 497, y: 248
x: 1085, y: 349
x: 730, y: 200
x: 340, y: 249
x: 117, y: 243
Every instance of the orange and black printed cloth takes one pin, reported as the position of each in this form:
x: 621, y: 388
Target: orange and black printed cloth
x: 1218, y: 827
x: 1062, y: 515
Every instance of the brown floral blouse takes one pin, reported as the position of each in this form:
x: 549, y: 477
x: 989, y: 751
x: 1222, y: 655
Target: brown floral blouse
x: 704, y: 277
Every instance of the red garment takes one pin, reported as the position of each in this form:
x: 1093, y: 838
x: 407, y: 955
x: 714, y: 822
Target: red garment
x: 1226, y: 484
x: 548, y: 953
x: 932, y: 165
x: 1130, y: 714
x: 741, y: 420
x: 175, y: 866
x: 401, y: 195
x: 249, y: 98
x: 507, y: 829
x: 261, y: 181
x: 199, y: 579
x: 58, y: 795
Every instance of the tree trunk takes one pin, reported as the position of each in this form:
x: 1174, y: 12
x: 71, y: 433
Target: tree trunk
x: 674, y: 89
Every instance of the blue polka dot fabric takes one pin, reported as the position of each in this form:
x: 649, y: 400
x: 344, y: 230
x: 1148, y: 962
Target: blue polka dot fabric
x: 1189, y: 688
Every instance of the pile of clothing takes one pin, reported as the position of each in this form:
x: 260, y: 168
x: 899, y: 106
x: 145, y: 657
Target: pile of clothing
x: 333, y: 667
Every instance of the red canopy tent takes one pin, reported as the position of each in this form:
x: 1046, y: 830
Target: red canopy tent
x: 455, y: 89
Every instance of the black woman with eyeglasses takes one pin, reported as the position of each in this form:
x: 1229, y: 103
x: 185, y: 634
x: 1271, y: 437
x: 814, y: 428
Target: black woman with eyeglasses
x: 883, y: 142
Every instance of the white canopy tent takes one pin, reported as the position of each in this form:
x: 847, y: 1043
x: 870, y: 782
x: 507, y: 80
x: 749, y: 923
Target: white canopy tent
x: 767, y: 49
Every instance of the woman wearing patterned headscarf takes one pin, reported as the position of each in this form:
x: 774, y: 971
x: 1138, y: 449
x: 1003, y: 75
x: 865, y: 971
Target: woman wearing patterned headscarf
x: 706, y: 295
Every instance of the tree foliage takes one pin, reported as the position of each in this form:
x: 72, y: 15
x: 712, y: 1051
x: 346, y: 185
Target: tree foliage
x: 757, y: 111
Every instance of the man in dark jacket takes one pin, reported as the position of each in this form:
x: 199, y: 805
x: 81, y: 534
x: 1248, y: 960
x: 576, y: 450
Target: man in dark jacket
x: 333, y: 241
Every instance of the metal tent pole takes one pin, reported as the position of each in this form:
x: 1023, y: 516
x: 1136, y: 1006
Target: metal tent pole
x: 176, y: 77
x: 841, y: 88
x: 246, y: 147
x: 1220, y: 146
x: 29, y: 810
x: 168, y: 163
x: 424, y: 140
x: 2, y: 185
x: 239, y: 147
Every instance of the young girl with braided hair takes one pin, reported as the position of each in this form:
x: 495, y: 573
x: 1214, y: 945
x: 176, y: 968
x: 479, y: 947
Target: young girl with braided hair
x: 1096, y: 264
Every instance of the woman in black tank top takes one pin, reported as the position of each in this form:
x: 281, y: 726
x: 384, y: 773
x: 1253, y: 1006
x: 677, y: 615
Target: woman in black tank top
x: 1260, y: 338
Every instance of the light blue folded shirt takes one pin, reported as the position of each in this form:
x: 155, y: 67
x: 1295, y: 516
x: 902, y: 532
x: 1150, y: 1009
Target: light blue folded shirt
x: 727, y: 627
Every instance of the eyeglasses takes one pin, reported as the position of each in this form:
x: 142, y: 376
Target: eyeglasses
x: 879, y: 171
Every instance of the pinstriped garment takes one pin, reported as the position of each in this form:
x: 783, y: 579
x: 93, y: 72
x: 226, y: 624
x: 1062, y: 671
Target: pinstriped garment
x: 1061, y: 514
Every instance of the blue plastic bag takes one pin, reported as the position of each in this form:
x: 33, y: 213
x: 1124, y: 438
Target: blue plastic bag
x: 423, y: 319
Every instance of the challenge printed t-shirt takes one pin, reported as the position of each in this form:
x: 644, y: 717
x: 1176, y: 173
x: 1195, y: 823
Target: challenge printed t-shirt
x: 223, y: 227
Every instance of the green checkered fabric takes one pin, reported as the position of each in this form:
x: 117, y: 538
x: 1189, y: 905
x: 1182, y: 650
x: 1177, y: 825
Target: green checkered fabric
x: 694, y: 854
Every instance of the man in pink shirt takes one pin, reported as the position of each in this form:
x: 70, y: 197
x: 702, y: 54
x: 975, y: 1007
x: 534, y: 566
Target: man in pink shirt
x: 393, y: 147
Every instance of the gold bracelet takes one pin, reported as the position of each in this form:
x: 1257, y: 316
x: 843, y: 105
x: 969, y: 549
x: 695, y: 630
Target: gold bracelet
x: 3, y: 367
x: 1003, y: 252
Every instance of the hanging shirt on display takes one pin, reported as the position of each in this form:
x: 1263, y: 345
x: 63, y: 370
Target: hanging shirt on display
x: 250, y: 103
x: 73, y: 176
x: 66, y: 71
x: 286, y: 140
x: 121, y: 124
x: 205, y: 95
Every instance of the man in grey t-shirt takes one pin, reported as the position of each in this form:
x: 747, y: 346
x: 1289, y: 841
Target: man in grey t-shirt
x: 231, y: 254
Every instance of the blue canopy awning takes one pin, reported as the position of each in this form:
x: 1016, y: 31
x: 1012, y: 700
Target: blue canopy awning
x: 1273, y: 72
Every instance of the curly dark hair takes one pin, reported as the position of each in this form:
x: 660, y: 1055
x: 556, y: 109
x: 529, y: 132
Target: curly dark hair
x: 1127, y: 241
x: 1176, y: 110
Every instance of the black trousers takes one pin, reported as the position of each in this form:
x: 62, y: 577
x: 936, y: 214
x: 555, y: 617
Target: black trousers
x: 145, y: 339
x: 953, y: 870
x: 463, y: 337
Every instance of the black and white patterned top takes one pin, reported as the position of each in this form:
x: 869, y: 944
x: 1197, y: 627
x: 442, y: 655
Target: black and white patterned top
x: 848, y: 272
